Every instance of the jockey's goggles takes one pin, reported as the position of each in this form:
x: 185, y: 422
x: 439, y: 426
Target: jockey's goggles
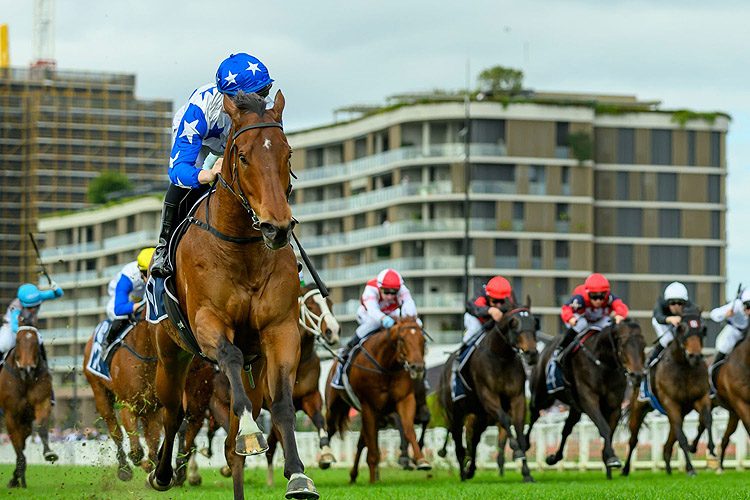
x: 676, y: 302
x: 596, y: 296
x: 389, y: 291
x: 492, y: 301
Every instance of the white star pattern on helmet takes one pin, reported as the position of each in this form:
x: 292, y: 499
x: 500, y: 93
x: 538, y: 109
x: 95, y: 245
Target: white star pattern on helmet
x: 189, y: 131
x: 252, y: 67
x: 230, y: 78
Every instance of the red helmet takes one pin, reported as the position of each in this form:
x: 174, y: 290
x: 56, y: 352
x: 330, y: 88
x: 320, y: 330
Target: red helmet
x: 388, y: 278
x: 596, y: 283
x: 498, y: 288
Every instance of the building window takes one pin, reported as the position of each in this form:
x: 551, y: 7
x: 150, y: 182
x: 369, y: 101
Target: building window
x: 629, y: 222
x: 565, y: 181
x: 669, y: 223
x: 506, y: 254
x: 562, y: 255
x: 667, y: 187
x: 625, y: 145
x: 562, y: 218
x: 715, y: 225
x: 714, y: 189
x: 493, y: 178
x: 518, y: 288
x: 562, y: 149
x: 622, y: 186
x: 661, y: 147
x: 624, y: 259
x: 562, y: 294
x: 488, y: 132
x: 621, y: 289
x: 518, y: 216
x: 668, y: 259
x: 314, y: 157
x: 360, y: 148
x: 715, y: 294
x: 537, y: 182
x: 483, y: 209
x: 713, y: 261
x: 691, y: 148
x: 715, y: 151
x: 536, y: 254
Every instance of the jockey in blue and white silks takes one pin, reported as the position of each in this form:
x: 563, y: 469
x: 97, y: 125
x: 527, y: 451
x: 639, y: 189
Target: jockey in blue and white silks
x: 737, y: 315
x: 27, y: 302
x: 201, y: 127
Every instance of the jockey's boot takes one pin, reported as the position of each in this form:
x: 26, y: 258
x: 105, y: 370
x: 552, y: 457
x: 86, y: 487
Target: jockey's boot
x: 570, y: 334
x: 114, y: 330
x: 160, y: 267
x: 658, y: 348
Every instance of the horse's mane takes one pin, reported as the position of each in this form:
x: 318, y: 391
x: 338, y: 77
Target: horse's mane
x: 250, y: 102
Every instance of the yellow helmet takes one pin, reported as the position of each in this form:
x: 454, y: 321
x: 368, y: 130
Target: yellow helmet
x: 144, y: 258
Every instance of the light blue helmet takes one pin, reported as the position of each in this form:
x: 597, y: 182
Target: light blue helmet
x: 29, y: 295
x: 242, y: 72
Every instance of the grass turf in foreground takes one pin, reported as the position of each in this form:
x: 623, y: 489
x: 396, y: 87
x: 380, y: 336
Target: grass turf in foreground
x: 67, y: 482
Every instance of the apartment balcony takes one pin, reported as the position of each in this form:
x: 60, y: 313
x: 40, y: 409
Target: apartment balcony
x: 369, y: 164
x: 493, y: 187
x: 452, y: 302
x: 144, y: 237
x: 365, y: 272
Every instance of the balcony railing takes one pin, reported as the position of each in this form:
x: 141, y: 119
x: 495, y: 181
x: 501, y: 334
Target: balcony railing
x: 367, y: 271
x: 434, y: 300
x: 493, y: 187
x: 506, y: 261
x: 70, y: 305
x: 144, y: 237
x: 395, y: 229
x: 374, y: 162
x: 372, y: 197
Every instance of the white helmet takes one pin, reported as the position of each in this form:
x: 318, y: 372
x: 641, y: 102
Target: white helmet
x: 676, y: 291
x: 745, y: 295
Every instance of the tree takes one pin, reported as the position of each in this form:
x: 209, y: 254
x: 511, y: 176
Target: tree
x: 108, y: 181
x: 501, y: 79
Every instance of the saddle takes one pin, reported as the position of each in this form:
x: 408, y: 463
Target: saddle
x: 460, y: 387
x: 557, y: 378
x: 646, y: 391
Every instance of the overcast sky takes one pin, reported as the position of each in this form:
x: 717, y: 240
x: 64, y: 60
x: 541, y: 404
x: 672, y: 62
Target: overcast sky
x: 328, y: 54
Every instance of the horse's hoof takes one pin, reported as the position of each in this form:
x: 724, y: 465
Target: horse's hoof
x: 406, y: 463
x: 195, y: 481
x: 205, y: 452
x: 712, y: 462
x: 442, y: 453
x: 154, y: 482
x: 124, y: 474
x: 613, y: 462
x: 719, y: 471
x: 226, y: 471
x: 51, y: 456
x: 528, y: 479
x: 301, y: 487
x: 691, y: 473
x: 423, y: 464
x: 551, y: 460
x: 326, y: 460
x: 13, y: 483
x: 251, y: 444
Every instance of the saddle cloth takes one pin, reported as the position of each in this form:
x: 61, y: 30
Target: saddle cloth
x: 554, y: 373
x: 99, y: 362
x: 459, y: 385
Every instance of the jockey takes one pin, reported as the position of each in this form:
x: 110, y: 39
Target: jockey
x: 591, y: 305
x: 126, y: 292
x: 736, y: 315
x: 492, y: 301
x: 667, y: 315
x: 384, y: 300
x: 200, y: 127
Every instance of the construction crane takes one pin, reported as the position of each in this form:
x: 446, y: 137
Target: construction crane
x: 44, y: 34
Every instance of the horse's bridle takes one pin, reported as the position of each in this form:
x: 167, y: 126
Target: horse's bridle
x: 691, y: 330
x: 40, y: 364
x: 617, y: 344
x: 306, y: 315
x: 397, y: 346
x: 512, y: 334
x: 239, y: 194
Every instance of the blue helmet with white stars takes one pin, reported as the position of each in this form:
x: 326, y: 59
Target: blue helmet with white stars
x: 242, y: 72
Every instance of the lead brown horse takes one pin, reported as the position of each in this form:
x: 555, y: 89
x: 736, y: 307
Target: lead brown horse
x: 732, y: 393
x: 497, y: 378
x: 132, y: 370
x: 316, y: 324
x: 382, y: 377
x: 25, y: 397
x: 598, y: 375
x: 680, y: 382
x: 237, y: 284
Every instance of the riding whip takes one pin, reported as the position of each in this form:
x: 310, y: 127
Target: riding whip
x: 311, y: 268
x: 39, y: 259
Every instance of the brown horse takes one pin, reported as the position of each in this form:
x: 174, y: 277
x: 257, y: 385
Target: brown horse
x: 237, y: 284
x: 316, y: 324
x: 497, y: 378
x: 25, y: 397
x: 680, y: 382
x: 732, y: 393
x: 598, y: 378
x: 382, y: 377
x: 132, y: 370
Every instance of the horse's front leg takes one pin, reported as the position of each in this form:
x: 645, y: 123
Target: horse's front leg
x: 674, y: 414
x: 590, y: 404
x: 130, y: 423
x: 407, y: 408
x: 170, y: 384
x: 573, y: 417
x: 18, y: 438
x: 42, y: 412
x: 703, y: 408
x: 281, y: 348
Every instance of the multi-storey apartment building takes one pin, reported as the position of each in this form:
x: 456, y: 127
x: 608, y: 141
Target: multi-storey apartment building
x: 58, y: 131
x: 83, y: 252
x: 559, y: 186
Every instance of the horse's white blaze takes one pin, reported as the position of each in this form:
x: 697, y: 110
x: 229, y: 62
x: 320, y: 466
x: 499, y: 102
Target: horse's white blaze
x: 330, y: 319
x: 29, y: 335
x: 247, y: 424
x: 267, y: 143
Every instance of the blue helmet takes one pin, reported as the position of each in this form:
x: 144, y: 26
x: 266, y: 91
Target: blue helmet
x: 242, y: 72
x: 29, y: 295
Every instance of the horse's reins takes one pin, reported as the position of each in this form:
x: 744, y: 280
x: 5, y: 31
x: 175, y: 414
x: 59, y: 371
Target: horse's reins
x: 516, y: 331
x: 378, y: 367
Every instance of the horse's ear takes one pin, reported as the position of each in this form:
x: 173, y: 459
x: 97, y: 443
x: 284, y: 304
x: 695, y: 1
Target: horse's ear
x: 278, y: 107
x: 231, y: 109
x: 528, y: 301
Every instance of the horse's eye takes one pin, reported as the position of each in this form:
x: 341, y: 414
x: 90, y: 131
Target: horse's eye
x: 243, y: 159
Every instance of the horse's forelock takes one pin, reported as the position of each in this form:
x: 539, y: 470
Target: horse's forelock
x: 250, y: 102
